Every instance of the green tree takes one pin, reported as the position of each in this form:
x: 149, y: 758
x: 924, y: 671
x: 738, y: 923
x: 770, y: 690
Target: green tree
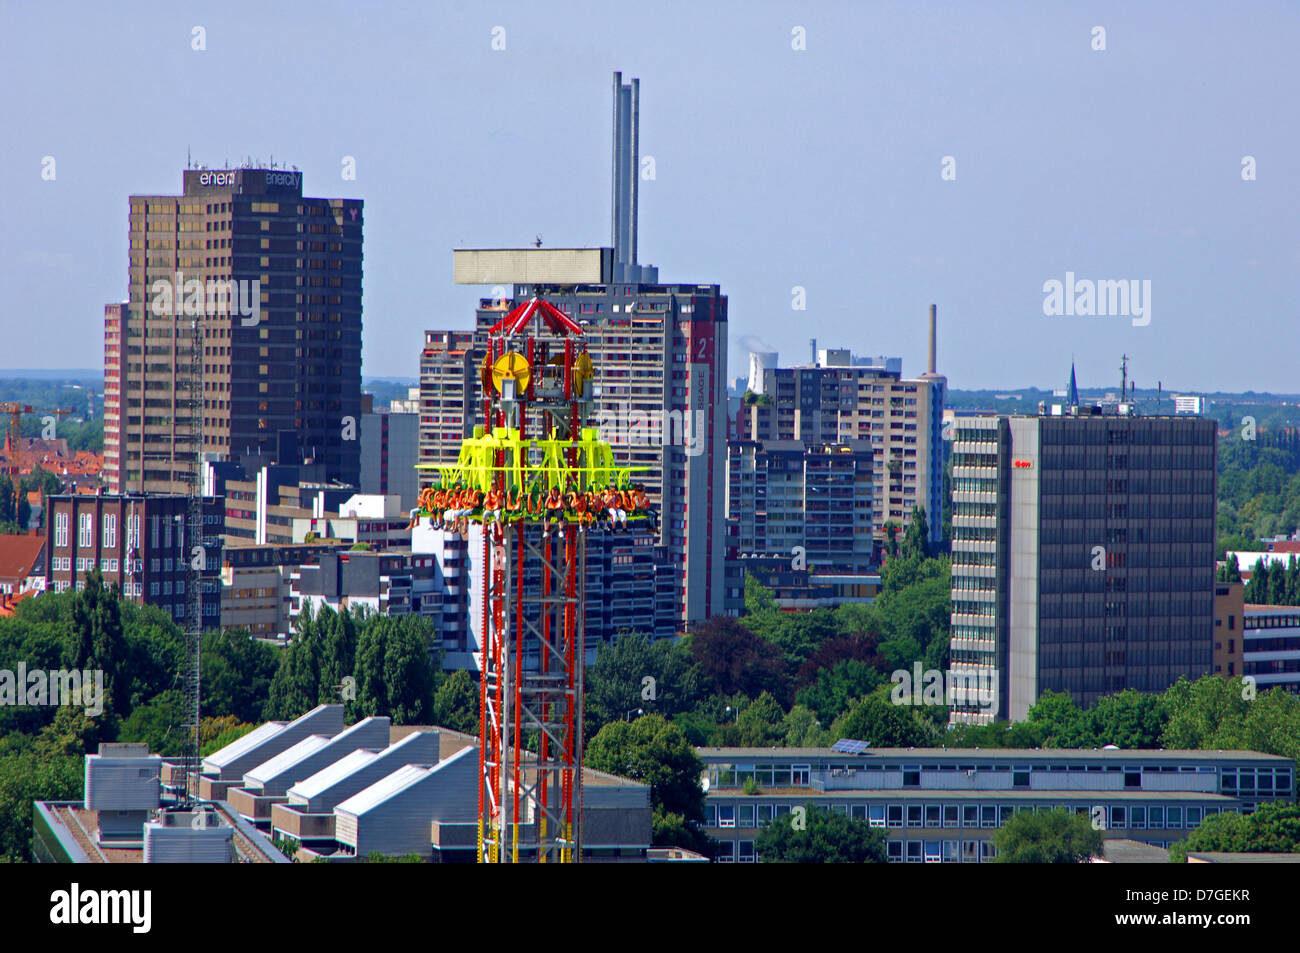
x: 654, y: 752
x: 916, y: 541
x: 758, y: 598
x: 616, y: 681
x: 408, y: 672
x: 819, y: 836
x: 1229, y: 571
x: 733, y: 659
x: 761, y: 723
x: 237, y: 673
x: 159, y: 723
x: 456, y: 703
x: 882, y: 724
x: 802, y: 729
x: 99, y: 642
x: 1061, y: 721
x: 837, y: 687
x: 295, y: 687
x: 1053, y: 837
x: 216, y: 733
x: 1274, y: 827
x: 29, y: 777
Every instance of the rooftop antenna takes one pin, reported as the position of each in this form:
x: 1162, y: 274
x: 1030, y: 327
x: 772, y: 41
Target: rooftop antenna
x: 1123, y: 381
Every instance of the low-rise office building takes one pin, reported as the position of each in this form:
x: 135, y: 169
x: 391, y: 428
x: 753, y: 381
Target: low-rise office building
x: 940, y: 805
x: 256, y: 593
x: 1270, y: 646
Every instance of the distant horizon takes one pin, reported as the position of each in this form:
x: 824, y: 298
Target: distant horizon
x: 87, y: 374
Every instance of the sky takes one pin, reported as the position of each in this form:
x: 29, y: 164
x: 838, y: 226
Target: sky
x: 909, y: 153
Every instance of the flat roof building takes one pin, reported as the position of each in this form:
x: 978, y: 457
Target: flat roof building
x: 944, y: 805
x: 275, y: 278
x: 1082, y: 554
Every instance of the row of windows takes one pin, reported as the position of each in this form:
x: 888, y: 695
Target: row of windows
x: 983, y: 816
x: 86, y: 530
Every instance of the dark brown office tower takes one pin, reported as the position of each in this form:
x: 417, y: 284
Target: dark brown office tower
x: 275, y: 279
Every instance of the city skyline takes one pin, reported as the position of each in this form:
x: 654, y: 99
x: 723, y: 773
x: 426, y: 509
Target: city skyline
x: 1110, y: 147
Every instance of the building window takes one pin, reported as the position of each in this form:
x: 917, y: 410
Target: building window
x: 726, y: 815
x: 61, y: 529
x: 894, y: 812
x: 894, y: 851
x: 914, y: 852
x: 913, y: 815
x: 85, y: 530
x: 876, y: 815
x: 950, y: 818
x: 932, y: 852
x: 747, y: 852
x: 110, y: 530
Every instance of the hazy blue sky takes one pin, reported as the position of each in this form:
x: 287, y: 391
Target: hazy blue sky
x: 774, y: 167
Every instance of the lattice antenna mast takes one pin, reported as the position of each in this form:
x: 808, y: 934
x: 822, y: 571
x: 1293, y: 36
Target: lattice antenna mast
x: 194, y: 554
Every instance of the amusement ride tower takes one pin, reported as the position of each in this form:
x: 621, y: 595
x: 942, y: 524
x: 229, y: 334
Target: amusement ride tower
x: 526, y: 489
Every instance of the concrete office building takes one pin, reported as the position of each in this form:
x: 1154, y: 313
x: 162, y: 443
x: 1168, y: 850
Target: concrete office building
x: 275, y: 278
x: 447, y: 394
x: 1083, y: 554
x: 390, y: 447
x: 385, y: 583
x: 837, y: 399
x: 1229, y: 623
x: 255, y: 583
x: 1270, y: 646
x: 944, y: 805
x: 786, y: 498
x: 795, y: 590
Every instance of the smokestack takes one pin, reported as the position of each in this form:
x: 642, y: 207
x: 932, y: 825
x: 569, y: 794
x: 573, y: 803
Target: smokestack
x: 812, y: 350
x: 627, y: 105
x: 930, y: 366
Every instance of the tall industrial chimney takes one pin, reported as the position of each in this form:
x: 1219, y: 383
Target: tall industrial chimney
x: 627, y: 100
x: 930, y: 366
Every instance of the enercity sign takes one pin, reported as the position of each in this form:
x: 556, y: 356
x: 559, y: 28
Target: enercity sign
x: 217, y: 178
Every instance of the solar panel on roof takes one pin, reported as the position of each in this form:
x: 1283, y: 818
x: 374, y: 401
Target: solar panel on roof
x: 850, y: 746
